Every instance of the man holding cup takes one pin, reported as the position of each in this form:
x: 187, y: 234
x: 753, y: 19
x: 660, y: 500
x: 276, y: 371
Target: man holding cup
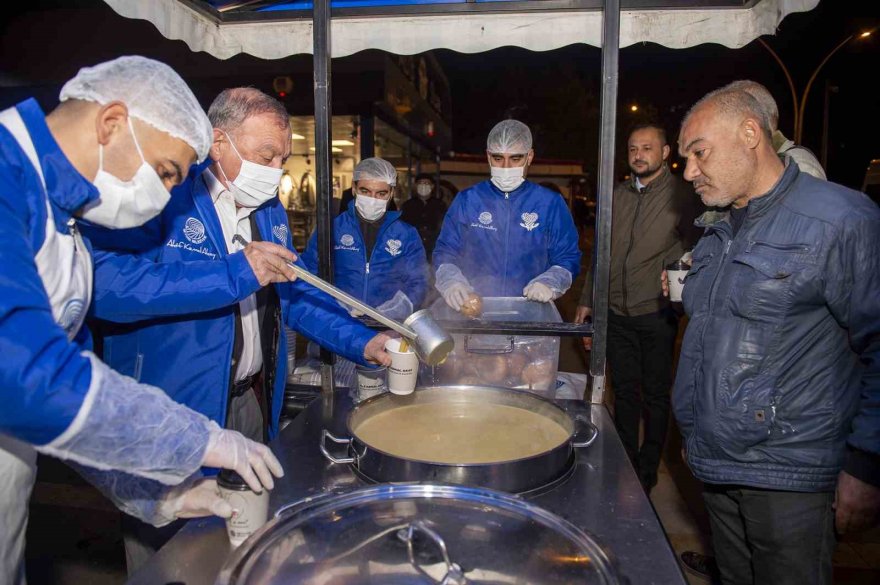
x: 652, y: 226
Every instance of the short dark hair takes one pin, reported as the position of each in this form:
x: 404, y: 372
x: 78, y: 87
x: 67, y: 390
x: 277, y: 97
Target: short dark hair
x: 661, y: 131
x: 425, y: 176
x: 233, y: 106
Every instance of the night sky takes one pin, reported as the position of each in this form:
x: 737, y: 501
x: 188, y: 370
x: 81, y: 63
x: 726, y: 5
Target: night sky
x: 557, y: 92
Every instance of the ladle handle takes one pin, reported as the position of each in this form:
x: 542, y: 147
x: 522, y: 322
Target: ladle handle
x: 342, y: 296
x: 350, y: 300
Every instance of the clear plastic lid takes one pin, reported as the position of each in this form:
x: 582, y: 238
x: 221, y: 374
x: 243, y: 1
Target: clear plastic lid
x: 418, y: 533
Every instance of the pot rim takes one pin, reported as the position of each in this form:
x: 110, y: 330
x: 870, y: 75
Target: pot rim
x: 566, y: 444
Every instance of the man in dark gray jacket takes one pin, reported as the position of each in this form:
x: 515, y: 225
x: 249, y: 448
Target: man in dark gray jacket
x: 778, y: 386
x: 652, y: 225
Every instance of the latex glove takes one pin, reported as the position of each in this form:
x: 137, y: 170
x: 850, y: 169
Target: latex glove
x: 351, y: 310
x: 374, y: 351
x: 194, y: 500
x: 456, y: 294
x: 254, y: 462
x: 398, y: 307
x: 538, y: 291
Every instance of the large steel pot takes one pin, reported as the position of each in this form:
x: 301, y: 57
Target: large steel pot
x: 514, y: 475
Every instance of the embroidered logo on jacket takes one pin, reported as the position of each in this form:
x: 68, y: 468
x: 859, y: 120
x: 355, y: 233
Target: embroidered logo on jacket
x: 70, y: 315
x: 393, y: 247
x: 485, y: 222
x: 194, y: 230
x: 347, y: 243
x: 280, y: 233
x: 529, y: 221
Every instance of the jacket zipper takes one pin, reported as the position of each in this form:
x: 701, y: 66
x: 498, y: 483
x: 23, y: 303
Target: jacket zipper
x: 506, y: 241
x: 629, y: 249
x: 381, y: 231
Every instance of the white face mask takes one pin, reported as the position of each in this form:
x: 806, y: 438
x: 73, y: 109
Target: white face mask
x: 370, y: 208
x: 424, y: 191
x: 507, y: 179
x: 255, y: 184
x: 126, y: 204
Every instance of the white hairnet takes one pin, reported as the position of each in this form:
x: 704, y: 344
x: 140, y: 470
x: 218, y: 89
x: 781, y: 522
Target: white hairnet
x: 509, y: 137
x: 152, y: 91
x: 377, y: 169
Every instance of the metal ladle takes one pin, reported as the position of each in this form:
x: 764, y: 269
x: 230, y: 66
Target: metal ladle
x: 431, y: 343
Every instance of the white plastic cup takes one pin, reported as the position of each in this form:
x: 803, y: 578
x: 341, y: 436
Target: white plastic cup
x: 371, y: 381
x: 404, y: 368
x: 675, y: 274
x: 250, y: 509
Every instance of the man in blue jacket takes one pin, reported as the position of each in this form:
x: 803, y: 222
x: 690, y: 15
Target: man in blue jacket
x: 377, y: 258
x: 124, y: 133
x: 183, y: 307
x: 507, y: 236
x: 778, y: 383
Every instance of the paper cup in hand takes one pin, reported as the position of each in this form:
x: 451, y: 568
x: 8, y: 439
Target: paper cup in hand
x: 250, y: 509
x: 675, y: 274
x: 404, y: 368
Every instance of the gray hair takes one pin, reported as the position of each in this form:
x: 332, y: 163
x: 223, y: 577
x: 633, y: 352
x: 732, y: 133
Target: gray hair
x: 732, y: 104
x: 233, y: 106
x: 760, y: 93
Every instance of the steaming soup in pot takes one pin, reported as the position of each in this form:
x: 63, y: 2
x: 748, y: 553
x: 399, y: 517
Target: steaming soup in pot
x: 461, y: 433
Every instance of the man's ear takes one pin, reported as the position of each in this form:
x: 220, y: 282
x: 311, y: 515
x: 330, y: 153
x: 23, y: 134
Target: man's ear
x: 530, y: 157
x: 666, y: 151
x: 112, y: 119
x: 219, y: 138
x: 751, y: 132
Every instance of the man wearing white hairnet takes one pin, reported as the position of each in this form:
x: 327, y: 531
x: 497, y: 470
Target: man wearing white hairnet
x: 507, y: 236
x: 377, y: 258
x: 125, y: 133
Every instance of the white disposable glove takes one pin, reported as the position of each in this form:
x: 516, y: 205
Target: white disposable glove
x: 254, y: 462
x: 456, y: 294
x: 351, y: 310
x: 193, y: 500
x: 398, y: 307
x: 687, y: 257
x: 538, y: 291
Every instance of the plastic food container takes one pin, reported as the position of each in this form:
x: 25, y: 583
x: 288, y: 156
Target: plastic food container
x: 520, y: 362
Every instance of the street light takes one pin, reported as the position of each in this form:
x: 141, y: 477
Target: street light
x: 798, y: 109
x: 799, y: 127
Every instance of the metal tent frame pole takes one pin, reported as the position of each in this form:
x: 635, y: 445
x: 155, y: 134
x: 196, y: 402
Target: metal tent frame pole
x: 602, y: 240
x: 324, y: 176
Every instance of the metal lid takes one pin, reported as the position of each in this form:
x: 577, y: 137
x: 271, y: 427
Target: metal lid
x: 418, y: 533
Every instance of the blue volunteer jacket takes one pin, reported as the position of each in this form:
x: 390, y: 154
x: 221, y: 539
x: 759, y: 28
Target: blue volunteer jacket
x: 171, y: 291
x: 780, y: 364
x: 44, y: 376
x: 502, y: 241
x: 397, y: 262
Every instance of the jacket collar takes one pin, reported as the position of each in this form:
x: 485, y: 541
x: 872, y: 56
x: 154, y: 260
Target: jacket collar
x: 66, y: 188
x: 664, y: 177
x: 758, y: 205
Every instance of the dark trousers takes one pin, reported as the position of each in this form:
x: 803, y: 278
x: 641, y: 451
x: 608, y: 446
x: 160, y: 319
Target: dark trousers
x: 771, y: 537
x: 640, y: 353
